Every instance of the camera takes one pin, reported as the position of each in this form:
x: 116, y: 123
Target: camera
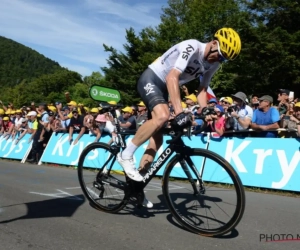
x: 231, y: 109
x: 208, y: 111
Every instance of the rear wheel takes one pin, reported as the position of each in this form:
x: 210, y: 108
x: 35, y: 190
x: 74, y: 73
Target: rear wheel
x: 219, y: 203
x: 101, y: 178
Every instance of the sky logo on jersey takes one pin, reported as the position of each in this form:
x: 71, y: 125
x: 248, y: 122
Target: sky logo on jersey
x: 194, y: 71
x: 186, y: 53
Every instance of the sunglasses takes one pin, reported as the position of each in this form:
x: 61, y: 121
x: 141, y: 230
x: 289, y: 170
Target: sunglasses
x: 75, y: 113
x: 225, y: 102
x: 221, y: 58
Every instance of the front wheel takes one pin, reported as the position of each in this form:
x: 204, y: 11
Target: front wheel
x: 204, y: 192
x: 100, y: 180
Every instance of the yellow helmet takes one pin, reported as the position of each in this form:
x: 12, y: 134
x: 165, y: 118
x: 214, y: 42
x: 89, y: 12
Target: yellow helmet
x: 230, y: 43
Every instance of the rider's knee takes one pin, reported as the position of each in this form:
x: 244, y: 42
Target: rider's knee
x: 161, y: 119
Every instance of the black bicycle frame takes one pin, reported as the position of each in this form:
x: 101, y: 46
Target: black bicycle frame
x: 182, y: 154
x: 176, y: 145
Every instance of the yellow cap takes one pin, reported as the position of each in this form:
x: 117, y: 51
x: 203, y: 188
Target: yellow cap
x: 5, y: 118
x: 86, y: 109
x: 2, y: 112
x: 127, y: 109
x: 228, y: 99
x: 52, y: 108
x: 12, y: 112
x: 297, y: 104
x: 142, y: 104
x: 94, y: 110
x: 192, y: 97
x: 112, y: 102
x: 73, y: 103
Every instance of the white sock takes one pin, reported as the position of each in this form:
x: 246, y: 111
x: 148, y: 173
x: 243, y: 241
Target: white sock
x: 128, y: 151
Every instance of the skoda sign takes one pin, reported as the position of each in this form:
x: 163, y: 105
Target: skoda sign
x: 104, y: 94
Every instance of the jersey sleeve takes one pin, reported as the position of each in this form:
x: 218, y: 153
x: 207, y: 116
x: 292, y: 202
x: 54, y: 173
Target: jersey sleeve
x: 186, y: 49
x: 206, y: 78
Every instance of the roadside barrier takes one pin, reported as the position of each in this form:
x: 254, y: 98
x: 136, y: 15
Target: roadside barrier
x: 260, y: 162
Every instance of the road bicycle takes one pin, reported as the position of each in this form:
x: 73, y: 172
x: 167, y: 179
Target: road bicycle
x: 201, y: 189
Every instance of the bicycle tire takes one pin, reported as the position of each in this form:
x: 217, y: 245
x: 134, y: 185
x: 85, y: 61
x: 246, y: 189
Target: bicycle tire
x: 92, y: 192
x: 184, y: 221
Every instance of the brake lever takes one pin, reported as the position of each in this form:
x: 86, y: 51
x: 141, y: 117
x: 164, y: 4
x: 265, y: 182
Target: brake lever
x: 189, y: 132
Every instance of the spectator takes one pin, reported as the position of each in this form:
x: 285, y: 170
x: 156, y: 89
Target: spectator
x: 242, y: 114
x: 62, y: 125
x: 266, y: 118
x: 191, y: 101
x: 292, y: 122
x: 254, y: 101
x: 33, y: 127
x: 142, y: 114
x: 76, y: 126
x: 114, y: 103
x: 212, y: 102
x: 226, y: 102
x: 37, y: 145
x: 127, y: 120
x: 283, y: 98
x: 72, y: 105
x: 134, y: 110
x: 7, y: 127
x: 47, y: 129
x: 22, y: 130
x: 216, y: 123
x: 104, y: 126
x: 89, y: 118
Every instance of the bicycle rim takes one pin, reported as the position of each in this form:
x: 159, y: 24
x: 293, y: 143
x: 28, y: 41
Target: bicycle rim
x: 98, y: 185
x: 213, y: 213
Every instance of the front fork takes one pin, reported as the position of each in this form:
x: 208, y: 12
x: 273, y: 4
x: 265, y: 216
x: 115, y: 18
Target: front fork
x: 186, y: 170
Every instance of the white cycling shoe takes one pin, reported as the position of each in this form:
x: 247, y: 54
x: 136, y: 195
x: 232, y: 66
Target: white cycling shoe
x: 129, y: 168
x: 147, y: 203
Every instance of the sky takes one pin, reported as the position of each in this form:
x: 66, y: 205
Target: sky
x: 72, y: 32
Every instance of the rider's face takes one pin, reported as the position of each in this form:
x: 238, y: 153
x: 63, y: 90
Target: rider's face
x: 214, y: 55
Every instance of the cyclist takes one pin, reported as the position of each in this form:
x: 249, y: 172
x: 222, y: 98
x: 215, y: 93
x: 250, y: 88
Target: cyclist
x: 182, y: 63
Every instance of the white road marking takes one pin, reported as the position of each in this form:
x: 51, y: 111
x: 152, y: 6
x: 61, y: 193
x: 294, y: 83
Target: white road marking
x: 61, y: 194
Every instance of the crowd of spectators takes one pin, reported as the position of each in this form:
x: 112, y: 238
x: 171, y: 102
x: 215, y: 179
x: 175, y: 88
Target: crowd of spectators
x: 235, y: 114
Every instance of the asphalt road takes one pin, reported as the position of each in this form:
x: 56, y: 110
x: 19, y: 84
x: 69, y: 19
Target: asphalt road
x: 42, y: 207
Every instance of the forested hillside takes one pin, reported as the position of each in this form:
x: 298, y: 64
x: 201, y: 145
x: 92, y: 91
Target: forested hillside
x: 18, y: 62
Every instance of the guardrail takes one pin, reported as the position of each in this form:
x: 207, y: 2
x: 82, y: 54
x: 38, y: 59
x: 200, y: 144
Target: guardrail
x: 267, y: 163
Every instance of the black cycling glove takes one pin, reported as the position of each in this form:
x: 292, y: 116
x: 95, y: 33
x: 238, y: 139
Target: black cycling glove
x: 183, y: 119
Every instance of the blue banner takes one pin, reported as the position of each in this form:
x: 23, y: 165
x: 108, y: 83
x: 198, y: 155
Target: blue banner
x: 14, y: 150
x: 60, y: 151
x: 262, y: 162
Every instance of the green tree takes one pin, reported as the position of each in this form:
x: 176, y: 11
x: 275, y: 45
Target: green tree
x: 271, y: 58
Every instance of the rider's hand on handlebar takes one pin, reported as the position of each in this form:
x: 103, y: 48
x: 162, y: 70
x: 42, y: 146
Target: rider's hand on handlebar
x: 183, y: 119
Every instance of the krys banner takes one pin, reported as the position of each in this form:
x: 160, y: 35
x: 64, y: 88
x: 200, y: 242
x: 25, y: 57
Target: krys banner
x: 14, y: 149
x: 269, y: 163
